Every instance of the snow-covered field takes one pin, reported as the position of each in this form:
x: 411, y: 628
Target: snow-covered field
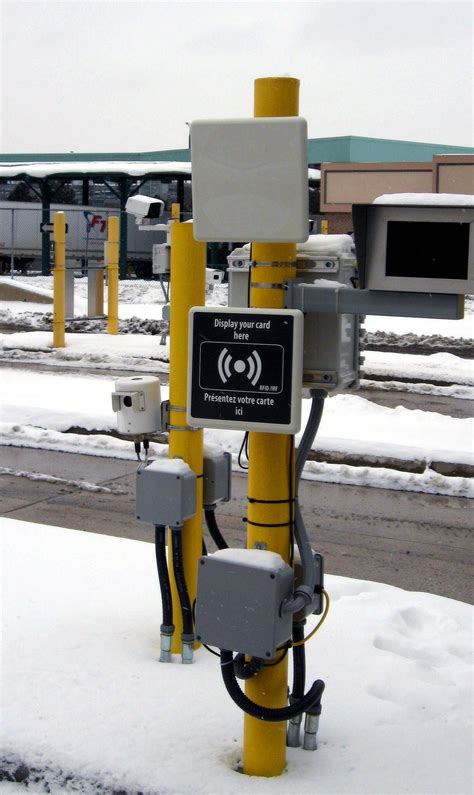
x: 86, y: 702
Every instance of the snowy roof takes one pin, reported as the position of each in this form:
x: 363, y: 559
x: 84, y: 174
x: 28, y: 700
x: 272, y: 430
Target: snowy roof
x: 132, y: 168
x: 432, y: 199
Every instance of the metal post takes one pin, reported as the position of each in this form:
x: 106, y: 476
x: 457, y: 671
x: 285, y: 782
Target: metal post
x: 45, y: 239
x: 124, y: 188
x: 12, y: 251
x: 188, y: 276
x: 271, y: 468
x: 59, y: 280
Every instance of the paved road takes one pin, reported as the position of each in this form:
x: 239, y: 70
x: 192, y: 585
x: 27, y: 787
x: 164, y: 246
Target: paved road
x: 419, y: 542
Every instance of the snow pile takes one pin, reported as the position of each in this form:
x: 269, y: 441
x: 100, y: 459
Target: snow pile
x: 315, y: 246
x: 429, y: 199
x: 43, y: 406
x: 86, y: 701
x: 107, y: 350
x: 436, y: 367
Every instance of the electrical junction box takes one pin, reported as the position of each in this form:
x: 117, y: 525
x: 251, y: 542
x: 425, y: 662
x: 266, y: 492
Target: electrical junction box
x: 239, y: 595
x: 217, y: 472
x: 419, y: 248
x: 250, y: 179
x: 331, y: 358
x: 245, y: 369
x: 161, y: 258
x: 166, y: 492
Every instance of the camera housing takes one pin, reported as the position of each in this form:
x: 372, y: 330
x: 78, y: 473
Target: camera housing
x: 415, y: 248
x: 145, y: 209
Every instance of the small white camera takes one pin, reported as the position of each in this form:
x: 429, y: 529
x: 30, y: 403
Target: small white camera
x: 145, y: 209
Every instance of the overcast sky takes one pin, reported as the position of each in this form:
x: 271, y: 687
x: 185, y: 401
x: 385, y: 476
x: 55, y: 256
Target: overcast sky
x: 127, y: 76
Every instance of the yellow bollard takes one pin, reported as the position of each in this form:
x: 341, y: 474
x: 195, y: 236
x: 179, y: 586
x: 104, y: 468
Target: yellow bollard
x: 188, y: 277
x: 324, y: 227
x: 59, y: 280
x: 112, y: 274
x: 271, y: 474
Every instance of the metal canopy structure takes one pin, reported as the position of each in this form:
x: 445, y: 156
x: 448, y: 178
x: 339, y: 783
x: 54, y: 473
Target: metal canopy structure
x: 123, y: 178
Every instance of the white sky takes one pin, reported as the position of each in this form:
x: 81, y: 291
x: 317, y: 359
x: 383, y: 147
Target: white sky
x: 127, y: 76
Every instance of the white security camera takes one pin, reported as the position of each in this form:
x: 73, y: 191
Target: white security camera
x: 145, y: 209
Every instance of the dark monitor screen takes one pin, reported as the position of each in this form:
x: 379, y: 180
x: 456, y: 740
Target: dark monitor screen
x: 428, y: 250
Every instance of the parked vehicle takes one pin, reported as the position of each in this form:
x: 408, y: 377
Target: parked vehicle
x: 21, y: 238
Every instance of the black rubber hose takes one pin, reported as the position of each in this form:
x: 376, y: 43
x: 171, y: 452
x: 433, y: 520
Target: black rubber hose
x: 178, y: 568
x: 213, y: 528
x: 163, y: 576
x: 256, y: 710
x: 299, y: 663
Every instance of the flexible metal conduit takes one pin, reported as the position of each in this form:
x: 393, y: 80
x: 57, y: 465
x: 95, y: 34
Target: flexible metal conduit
x: 312, y: 697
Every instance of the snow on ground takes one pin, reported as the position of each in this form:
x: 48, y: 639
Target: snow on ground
x: 85, y: 696
x: 433, y: 367
x: 114, y: 352
x: 42, y: 409
x: 39, y: 407
x: 146, y: 298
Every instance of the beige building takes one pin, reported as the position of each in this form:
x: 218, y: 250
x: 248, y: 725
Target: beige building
x: 345, y: 184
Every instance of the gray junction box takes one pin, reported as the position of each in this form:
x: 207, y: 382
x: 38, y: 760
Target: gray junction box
x: 331, y: 349
x: 331, y: 341
x: 166, y: 492
x: 239, y: 595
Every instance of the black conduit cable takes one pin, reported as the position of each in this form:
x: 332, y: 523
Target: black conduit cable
x: 164, y: 579
x: 246, y: 669
x: 178, y: 568
x: 256, y: 710
x: 214, y: 532
x: 299, y: 662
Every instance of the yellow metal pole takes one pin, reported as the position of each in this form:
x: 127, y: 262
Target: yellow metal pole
x: 187, y: 288
x: 112, y: 274
x: 324, y: 227
x: 59, y: 280
x: 271, y: 468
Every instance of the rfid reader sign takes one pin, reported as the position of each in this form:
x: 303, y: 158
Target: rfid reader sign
x: 245, y: 369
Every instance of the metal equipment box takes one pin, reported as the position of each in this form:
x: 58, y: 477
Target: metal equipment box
x: 240, y: 593
x: 331, y: 341
x: 217, y: 471
x: 161, y: 258
x: 166, y: 493
x: 418, y: 248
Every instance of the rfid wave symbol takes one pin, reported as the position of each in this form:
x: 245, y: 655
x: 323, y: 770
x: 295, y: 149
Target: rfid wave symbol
x: 253, y: 366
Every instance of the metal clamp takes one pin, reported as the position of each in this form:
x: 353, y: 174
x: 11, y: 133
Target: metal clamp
x: 269, y: 285
x: 254, y: 264
x: 166, y: 408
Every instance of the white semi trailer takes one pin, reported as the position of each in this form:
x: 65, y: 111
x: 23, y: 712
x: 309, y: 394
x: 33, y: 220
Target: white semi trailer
x: 21, y: 238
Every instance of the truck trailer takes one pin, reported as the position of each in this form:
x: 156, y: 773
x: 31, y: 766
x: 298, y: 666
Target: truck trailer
x: 21, y: 237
